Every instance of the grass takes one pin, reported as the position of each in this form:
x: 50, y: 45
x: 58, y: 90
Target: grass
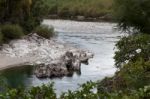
x: 45, y: 31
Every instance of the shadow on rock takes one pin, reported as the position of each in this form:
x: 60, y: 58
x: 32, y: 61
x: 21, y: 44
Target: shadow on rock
x: 65, y: 66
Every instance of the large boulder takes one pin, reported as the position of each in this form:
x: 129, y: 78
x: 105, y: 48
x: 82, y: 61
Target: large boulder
x: 66, y: 65
x: 51, y: 70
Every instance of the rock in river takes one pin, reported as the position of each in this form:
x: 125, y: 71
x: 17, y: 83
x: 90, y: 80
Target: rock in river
x: 62, y: 67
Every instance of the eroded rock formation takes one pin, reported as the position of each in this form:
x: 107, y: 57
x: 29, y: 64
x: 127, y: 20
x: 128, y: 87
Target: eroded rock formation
x: 51, y: 58
x: 71, y: 61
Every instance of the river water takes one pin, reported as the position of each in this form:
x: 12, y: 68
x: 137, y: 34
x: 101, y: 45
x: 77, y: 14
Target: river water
x: 99, y: 38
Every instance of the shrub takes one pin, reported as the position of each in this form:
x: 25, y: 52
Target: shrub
x: 45, y: 31
x: 85, y: 92
x: 11, y: 32
x: 43, y: 92
x: 136, y: 74
x: 132, y: 76
x: 132, y: 48
x: 133, y: 63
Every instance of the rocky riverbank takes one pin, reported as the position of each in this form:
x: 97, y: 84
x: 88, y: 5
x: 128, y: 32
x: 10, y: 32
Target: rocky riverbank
x: 50, y: 58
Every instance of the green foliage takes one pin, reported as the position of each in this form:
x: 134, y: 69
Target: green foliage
x: 84, y: 92
x: 3, y: 85
x: 133, y: 13
x: 87, y: 8
x: 39, y: 9
x: 26, y: 13
x: 136, y: 74
x: 43, y: 92
x: 133, y: 63
x: 45, y: 31
x: 144, y: 93
x: 11, y: 32
x: 131, y: 48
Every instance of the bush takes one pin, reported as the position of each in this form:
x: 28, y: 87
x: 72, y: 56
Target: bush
x: 133, y: 63
x: 84, y: 92
x: 136, y: 74
x: 27, y: 13
x: 132, y: 48
x: 45, y: 31
x: 132, y: 76
x: 43, y: 92
x: 11, y: 32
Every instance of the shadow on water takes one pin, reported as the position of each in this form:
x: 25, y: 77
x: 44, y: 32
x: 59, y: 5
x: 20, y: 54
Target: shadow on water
x: 17, y: 76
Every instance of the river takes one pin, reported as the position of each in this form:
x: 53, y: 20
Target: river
x: 99, y: 38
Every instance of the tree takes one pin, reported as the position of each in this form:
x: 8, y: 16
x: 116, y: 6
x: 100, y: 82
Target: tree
x: 26, y: 13
x: 13, y: 10
x: 38, y: 10
x: 133, y: 14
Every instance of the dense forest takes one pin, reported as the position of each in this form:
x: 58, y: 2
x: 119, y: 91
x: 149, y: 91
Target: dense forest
x: 132, y: 58
x: 20, y: 17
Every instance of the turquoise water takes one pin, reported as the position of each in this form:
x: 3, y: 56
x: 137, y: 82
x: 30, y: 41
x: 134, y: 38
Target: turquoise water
x: 17, y: 76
